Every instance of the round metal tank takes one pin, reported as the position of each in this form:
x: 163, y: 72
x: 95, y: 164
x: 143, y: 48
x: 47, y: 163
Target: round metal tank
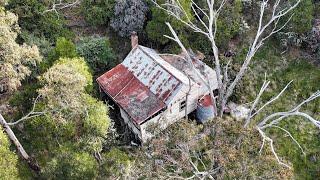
x: 205, y: 109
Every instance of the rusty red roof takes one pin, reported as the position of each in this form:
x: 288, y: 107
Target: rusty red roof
x: 113, y: 81
x: 130, y: 93
x: 146, y: 82
x: 159, y: 76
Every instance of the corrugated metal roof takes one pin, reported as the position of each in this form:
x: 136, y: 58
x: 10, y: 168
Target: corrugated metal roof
x: 131, y: 94
x: 145, y: 82
x: 159, y: 76
x: 138, y: 101
x: 113, y: 81
x: 167, y: 66
x: 206, y: 72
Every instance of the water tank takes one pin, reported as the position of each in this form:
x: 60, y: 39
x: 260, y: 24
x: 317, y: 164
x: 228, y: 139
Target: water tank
x: 205, y: 109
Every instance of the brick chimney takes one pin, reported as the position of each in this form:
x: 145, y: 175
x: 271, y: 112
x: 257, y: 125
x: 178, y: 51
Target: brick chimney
x: 134, y: 39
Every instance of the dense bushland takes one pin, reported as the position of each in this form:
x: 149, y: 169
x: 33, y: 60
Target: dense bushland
x: 45, y: 61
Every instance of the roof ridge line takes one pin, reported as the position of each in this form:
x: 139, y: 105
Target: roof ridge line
x: 166, y: 69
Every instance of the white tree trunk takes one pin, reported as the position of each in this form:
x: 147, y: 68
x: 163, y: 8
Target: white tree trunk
x: 13, y: 138
x: 208, y: 28
x: 18, y: 145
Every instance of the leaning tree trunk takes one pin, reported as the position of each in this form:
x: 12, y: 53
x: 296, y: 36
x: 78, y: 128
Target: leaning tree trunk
x: 18, y: 145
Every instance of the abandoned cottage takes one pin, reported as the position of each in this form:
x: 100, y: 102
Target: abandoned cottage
x: 157, y: 89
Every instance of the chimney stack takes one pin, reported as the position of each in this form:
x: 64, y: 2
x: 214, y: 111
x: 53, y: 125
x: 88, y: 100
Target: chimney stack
x: 134, y: 39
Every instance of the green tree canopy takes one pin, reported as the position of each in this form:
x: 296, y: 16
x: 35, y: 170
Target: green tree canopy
x: 160, y: 17
x: 115, y: 164
x: 33, y: 18
x: 15, y: 59
x: 97, y: 53
x: 97, y: 12
x: 8, y: 160
x: 129, y: 15
x: 73, y: 119
x: 72, y: 165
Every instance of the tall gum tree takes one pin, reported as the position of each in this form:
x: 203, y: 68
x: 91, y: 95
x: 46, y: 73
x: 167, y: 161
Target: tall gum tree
x: 15, y: 59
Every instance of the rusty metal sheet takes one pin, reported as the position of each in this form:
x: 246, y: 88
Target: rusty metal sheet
x: 130, y: 94
x: 159, y: 76
x: 113, y: 81
x: 145, y: 82
x: 138, y: 101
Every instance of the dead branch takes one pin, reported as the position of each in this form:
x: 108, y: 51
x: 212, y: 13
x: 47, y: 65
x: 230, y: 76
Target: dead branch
x: 262, y: 89
x: 18, y: 145
x: 189, y: 61
x: 279, y: 116
x: 266, y: 138
x: 256, y: 101
x: 208, y: 28
x: 32, y: 114
x: 61, y: 4
x: 273, y: 119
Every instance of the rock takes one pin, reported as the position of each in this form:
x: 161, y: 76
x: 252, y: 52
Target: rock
x: 239, y: 112
x: 158, y: 162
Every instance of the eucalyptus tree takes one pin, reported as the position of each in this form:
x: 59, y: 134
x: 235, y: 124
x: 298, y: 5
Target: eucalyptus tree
x: 273, y: 17
x: 15, y: 60
x: 8, y: 160
x: 268, y: 25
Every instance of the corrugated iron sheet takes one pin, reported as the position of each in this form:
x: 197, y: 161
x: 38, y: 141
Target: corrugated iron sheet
x: 138, y: 101
x: 145, y: 82
x: 113, y: 81
x: 154, y: 73
x: 131, y: 94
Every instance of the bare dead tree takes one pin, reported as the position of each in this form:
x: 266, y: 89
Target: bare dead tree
x: 208, y: 28
x: 272, y: 120
x: 188, y: 59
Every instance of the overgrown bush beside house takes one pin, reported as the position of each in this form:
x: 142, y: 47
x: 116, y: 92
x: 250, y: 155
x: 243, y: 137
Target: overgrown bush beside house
x: 97, y: 53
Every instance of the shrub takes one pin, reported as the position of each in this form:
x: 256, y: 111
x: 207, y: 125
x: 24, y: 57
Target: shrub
x: 159, y: 18
x: 97, y: 12
x: 97, y: 52
x: 71, y: 165
x: 116, y: 163
x: 155, y: 33
x: 3, y: 2
x: 33, y: 19
x: 301, y: 22
x: 8, y: 160
x: 229, y: 23
x: 44, y: 45
x: 64, y: 49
